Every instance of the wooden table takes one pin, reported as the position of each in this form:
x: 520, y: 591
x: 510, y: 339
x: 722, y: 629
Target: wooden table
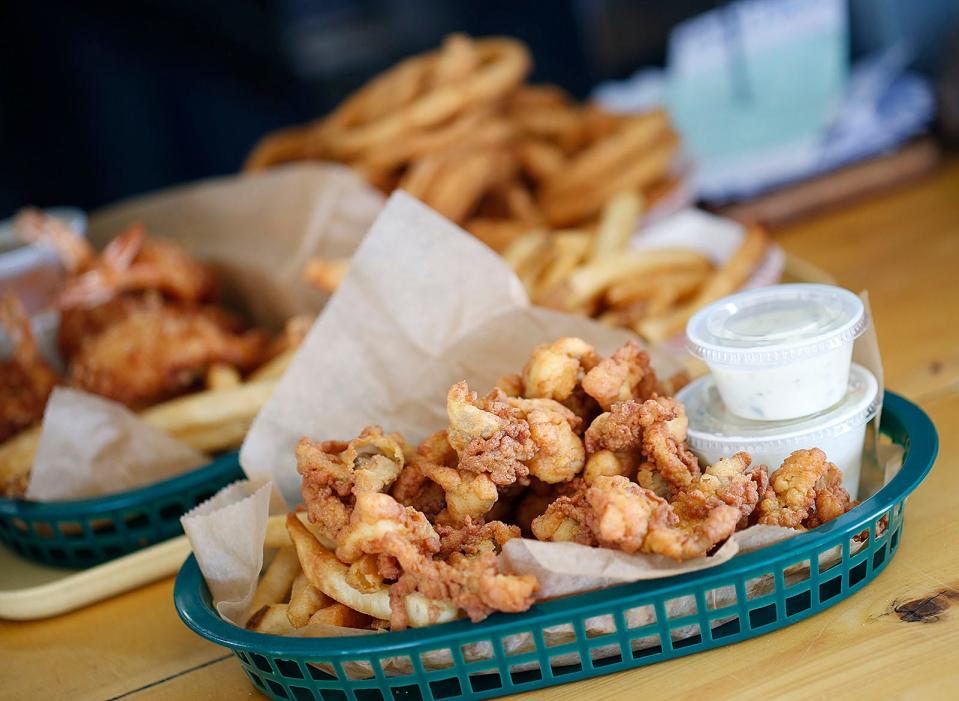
x: 904, y: 248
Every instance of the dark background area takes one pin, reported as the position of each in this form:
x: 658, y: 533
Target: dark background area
x: 101, y: 100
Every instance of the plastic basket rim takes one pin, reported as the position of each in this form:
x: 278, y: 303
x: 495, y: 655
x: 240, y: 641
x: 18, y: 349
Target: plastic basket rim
x: 192, y: 598
x: 93, y: 506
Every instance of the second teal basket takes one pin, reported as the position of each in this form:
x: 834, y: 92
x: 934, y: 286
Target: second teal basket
x: 87, y: 532
x: 603, y: 631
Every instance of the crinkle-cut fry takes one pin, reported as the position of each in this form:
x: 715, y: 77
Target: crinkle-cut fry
x: 498, y: 234
x: 328, y: 574
x: 326, y: 274
x: 222, y: 376
x: 463, y: 181
x: 337, y: 614
x: 569, y: 249
x: 274, y: 586
x: 281, y: 146
x: 589, y: 281
x: 617, y: 222
x: 728, y: 278
x: 539, y: 159
x: 635, y: 137
x: 305, y: 600
x: 685, y: 280
x: 563, y: 208
x: 504, y: 63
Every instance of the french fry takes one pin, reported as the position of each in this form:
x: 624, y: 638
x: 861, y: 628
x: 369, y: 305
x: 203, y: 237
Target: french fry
x: 589, y: 281
x: 727, y: 279
x: 498, y: 234
x: 275, y: 584
x: 539, y: 159
x: 271, y: 619
x: 617, y: 222
x: 528, y: 255
x: 326, y: 273
x: 325, y: 572
x: 337, y: 614
x: 632, y: 289
x: 607, y: 156
x: 274, y: 368
x: 222, y: 376
x: 305, y: 600
x: 569, y: 248
x: 566, y: 207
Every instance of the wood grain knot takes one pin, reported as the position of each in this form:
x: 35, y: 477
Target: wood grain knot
x: 927, y: 609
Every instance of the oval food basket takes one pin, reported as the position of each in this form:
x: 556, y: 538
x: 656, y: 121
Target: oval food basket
x: 594, y: 633
x: 86, y: 532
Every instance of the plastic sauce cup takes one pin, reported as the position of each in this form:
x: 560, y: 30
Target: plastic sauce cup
x: 840, y: 431
x: 779, y: 352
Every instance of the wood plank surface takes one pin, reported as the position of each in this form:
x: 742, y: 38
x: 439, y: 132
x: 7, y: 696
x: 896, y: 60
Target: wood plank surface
x: 903, y: 247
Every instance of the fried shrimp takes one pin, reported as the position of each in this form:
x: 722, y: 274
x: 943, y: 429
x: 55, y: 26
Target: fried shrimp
x: 26, y: 379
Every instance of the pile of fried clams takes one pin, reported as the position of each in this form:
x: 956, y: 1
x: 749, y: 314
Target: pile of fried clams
x: 576, y: 448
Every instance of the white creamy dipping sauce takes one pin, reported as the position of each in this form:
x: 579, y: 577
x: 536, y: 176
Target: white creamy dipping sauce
x: 779, y: 352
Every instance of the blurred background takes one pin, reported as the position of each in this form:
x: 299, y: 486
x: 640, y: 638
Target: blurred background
x: 100, y: 100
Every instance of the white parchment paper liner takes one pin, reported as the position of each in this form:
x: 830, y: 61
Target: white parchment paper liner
x: 90, y: 446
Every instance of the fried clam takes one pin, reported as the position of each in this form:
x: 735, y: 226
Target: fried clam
x: 468, y: 580
x: 335, y: 472
x: 806, y: 491
x: 559, y: 453
x: 467, y: 494
x: 490, y: 436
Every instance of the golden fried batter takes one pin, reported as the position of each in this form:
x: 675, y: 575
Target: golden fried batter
x: 335, y: 472
x: 832, y: 500
x: 159, y: 352
x: 559, y: 454
x: 26, y: 380
x: 467, y: 494
x: 792, y: 489
x: 626, y: 375
x: 554, y: 369
x: 623, y: 513
x: 490, y: 436
x: 730, y: 482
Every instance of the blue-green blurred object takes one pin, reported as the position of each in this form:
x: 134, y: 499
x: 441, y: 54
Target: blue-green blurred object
x: 757, y: 74
x: 85, y: 532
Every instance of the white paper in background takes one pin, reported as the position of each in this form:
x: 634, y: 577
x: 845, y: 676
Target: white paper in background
x: 226, y: 533
x: 423, y: 306
x: 91, y: 446
x: 258, y: 230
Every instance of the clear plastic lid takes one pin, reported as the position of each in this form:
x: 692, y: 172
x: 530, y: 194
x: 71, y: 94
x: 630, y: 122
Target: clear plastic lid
x: 774, y: 325
x: 713, y: 427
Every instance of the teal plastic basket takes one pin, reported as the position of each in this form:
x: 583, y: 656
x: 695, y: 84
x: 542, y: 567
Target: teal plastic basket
x: 750, y: 595
x: 86, y: 532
